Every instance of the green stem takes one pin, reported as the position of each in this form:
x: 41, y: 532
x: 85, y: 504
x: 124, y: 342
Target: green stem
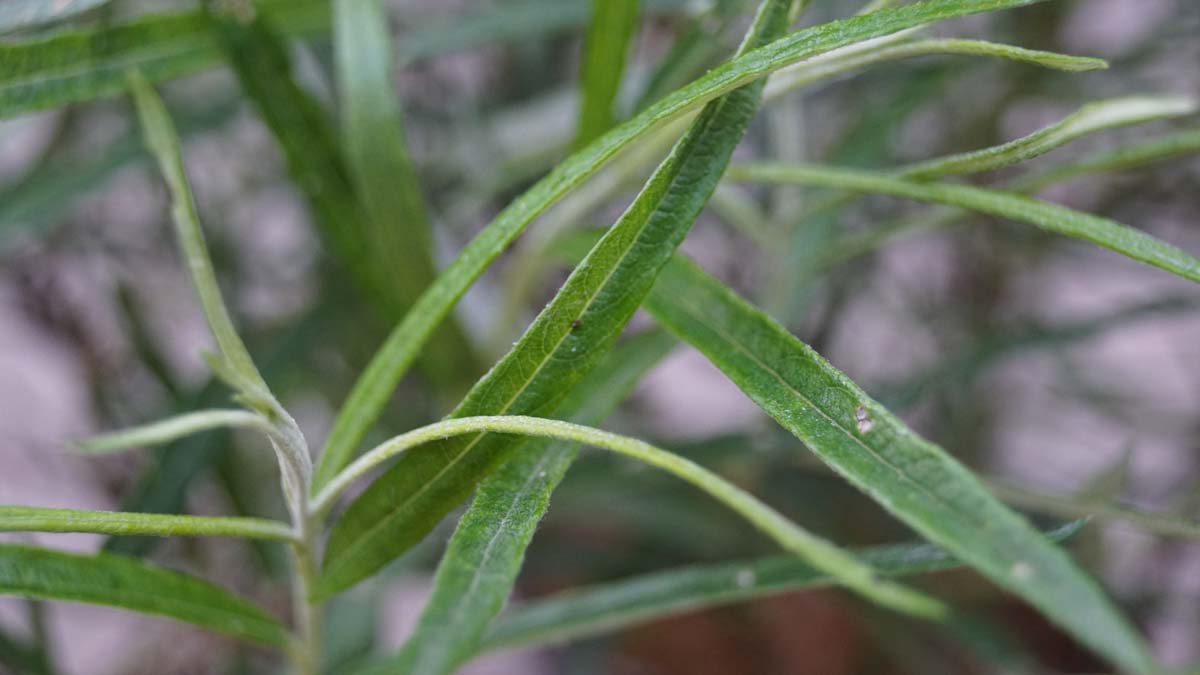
x: 306, y: 655
x: 823, y: 555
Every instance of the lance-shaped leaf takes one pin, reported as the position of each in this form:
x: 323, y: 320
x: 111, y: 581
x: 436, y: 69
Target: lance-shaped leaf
x: 82, y: 65
x: 374, y: 387
x: 617, y: 605
x: 477, y: 572
x: 129, y: 583
x: 565, y: 342
x: 609, y: 34
x: 1048, y: 216
x: 39, y: 519
x: 915, y: 480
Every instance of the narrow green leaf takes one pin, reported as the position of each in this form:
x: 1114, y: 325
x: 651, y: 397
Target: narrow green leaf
x: 821, y: 553
x: 374, y: 387
x: 38, y: 519
x: 477, y: 572
x: 82, y: 65
x: 608, y: 607
x: 1053, y: 217
x: 1125, y: 157
x: 609, y: 35
x: 366, y: 231
x: 129, y: 583
x: 915, y: 480
x: 17, y: 14
x: 164, y: 144
x: 565, y: 342
x: 1089, y: 119
x: 172, y: 429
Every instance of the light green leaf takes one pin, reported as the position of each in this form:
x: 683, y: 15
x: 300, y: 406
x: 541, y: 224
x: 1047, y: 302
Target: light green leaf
x: 374, y: 387
x: 1125, y: 157
x: 477, y: 572
x: 915, y: 480
x: 1089, y: 119
x: 164, y: 144
x: 565, y: 342
x: 605, y: 608
x: 128, y: 583
x: 82, y: 65
x: 609, y: 35
x: 172, y: 429
x: 17, y: 14
x: 38, y: 519
x: 1053, y: 217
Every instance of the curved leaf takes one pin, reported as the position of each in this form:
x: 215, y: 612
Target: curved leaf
x: 374, y: 387
x: 1048, y: 216
x: 171, y: 429
x: 565, y: 342
x: 915, y: 480
x: 477, y: 572
x: 128, y: 583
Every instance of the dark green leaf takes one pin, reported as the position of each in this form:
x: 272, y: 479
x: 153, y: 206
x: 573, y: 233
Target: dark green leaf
x: 565, y: 342
x: 915, y: 480
x: 128, y: 583
x: 480, y: 565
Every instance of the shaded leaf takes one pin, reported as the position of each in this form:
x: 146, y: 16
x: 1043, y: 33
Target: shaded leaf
x: 609, y: 34
x: 128, y: 583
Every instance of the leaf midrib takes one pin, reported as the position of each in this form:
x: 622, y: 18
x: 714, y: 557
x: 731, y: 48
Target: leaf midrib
x: 845, y: 431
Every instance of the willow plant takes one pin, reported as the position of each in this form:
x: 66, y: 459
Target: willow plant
x: 510, y: 440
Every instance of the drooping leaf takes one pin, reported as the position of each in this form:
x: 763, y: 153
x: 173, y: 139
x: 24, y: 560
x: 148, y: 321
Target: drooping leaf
x: 1089, y: 119
x: 1053, y: 217
x: 617, y: 605
x: 610, y: 32
x: 477, y: 572
x: 82, y: 65
x: 128, y: 583
x: 39, y: 519
x: 915, y: 480
x: 565, y: 342
x: 374, y: 387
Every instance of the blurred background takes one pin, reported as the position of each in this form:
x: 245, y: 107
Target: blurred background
x: 1067, y: 375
